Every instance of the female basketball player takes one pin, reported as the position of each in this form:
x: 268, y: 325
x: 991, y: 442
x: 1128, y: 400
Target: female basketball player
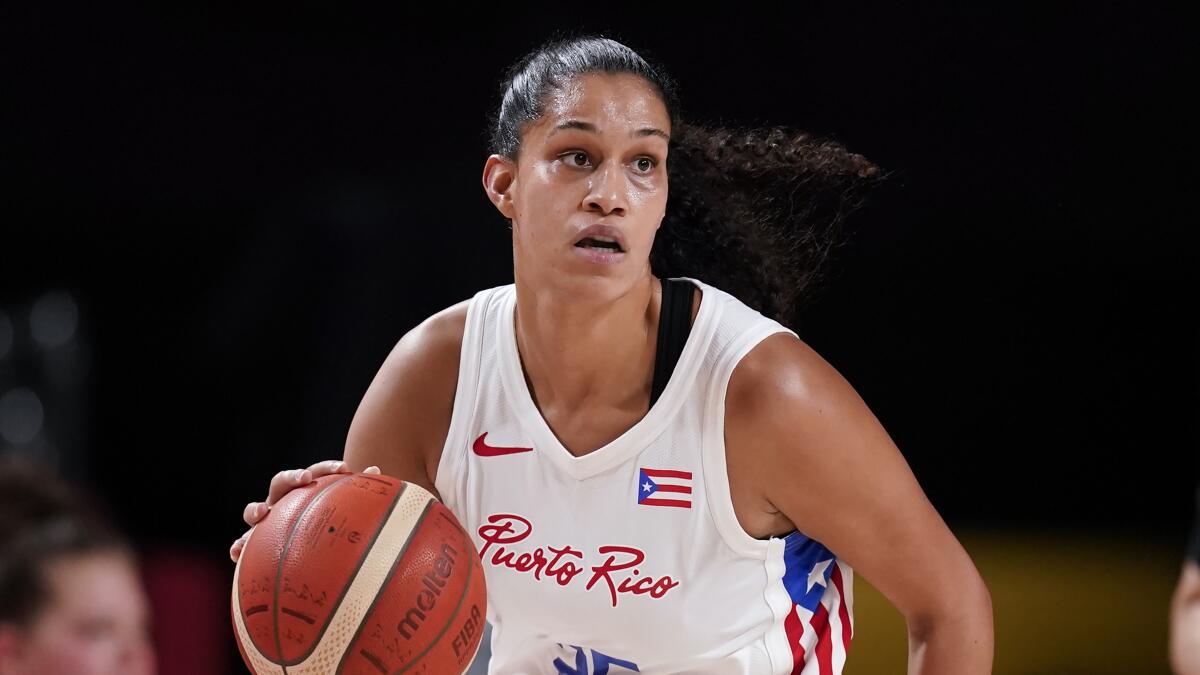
x: 658, y: 477
x: 71, y: 602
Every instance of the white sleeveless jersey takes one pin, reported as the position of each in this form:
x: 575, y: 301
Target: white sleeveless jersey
x: 630, y: 558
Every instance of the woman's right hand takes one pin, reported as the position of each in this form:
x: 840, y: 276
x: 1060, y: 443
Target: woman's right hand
x: 283, y: 483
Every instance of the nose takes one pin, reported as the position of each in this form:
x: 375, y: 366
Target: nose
x: 607, y: 190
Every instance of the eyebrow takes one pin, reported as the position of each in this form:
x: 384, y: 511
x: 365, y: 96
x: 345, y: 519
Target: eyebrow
x: 588, y: 126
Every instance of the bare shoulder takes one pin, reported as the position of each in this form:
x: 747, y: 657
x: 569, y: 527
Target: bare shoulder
x: 432, y: 344
x: 788, y: 410
x: 822, y: 459
x: 779, y: 376
x: 403, y: 418
x: 781, y: 363
x: 784, y: 375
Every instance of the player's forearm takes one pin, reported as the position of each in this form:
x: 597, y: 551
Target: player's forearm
x: 1185, y: 640
x: 959, y: 643
x: 1185, y: 622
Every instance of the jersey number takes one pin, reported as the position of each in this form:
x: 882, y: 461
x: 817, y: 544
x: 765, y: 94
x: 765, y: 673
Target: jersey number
x: 600, y: 663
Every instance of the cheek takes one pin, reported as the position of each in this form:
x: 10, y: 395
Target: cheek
x: 647, y: 240
x: 542, y: 217
x: 654, y: 199
x: 654, y: 208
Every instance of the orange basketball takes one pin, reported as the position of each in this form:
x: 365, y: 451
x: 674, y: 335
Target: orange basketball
x: 358, y: 574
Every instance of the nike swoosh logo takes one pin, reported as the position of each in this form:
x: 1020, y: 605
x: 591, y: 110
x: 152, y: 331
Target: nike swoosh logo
x: 484, y: 450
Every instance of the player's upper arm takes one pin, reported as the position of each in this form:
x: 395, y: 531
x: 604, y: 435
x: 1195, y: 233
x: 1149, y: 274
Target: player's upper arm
x: 826, y: 463
x: 401, y: 423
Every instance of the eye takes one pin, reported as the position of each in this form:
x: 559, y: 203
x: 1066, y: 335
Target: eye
x: 645, y: 164
x: 573, y: 156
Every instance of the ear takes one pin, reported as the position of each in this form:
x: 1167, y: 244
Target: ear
x: 499, y: 175
x: 12, y: 640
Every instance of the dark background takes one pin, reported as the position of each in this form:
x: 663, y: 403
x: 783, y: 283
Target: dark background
x: 248, y: 210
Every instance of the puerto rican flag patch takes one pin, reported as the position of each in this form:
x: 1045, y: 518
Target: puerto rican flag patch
x: 665, y: 487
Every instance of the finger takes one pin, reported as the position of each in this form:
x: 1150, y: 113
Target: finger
x: 286, y: 481
x: 235, y: 551
x: 327, y: 467
x: 372, y: 470
x: 254, y: 512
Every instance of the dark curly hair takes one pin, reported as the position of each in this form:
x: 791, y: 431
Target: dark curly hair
x: 42, y: 520
x: 755, y: 212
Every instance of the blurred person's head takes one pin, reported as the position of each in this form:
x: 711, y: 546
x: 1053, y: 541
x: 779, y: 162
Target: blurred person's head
x: 71, y: 599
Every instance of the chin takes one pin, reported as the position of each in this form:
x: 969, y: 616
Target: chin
x: 583, y: 279
x: 601, y: 286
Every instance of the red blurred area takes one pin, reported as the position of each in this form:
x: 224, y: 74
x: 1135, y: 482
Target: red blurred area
x: 189, y: 598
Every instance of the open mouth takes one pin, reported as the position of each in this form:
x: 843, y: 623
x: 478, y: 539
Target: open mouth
x: 606, y: 244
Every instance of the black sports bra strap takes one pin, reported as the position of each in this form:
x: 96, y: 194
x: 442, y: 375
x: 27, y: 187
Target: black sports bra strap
x: 674, y: 325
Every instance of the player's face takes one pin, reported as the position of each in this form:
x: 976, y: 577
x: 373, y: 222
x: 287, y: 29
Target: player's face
x: 596, y: 157
x: 94, y: 623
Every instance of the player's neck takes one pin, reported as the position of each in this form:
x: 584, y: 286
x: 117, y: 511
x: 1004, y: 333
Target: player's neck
x: 576, y: 355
